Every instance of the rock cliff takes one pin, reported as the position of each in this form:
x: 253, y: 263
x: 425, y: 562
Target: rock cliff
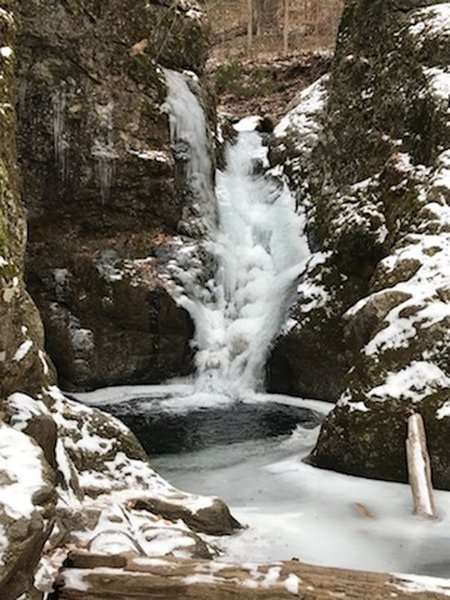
x: 27, y: 499
x: 104, y: 194
x: 369, y: 152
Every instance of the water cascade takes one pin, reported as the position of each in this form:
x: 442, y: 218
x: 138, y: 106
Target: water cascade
x: 257, y: 243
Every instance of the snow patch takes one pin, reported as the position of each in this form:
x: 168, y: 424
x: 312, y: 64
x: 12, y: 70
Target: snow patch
x: 439, y: 81
x: 158, y: 156
x: 292, y: 584
x: 6, y: 51
x: 303, y: 121
x: 421, y: 583
x: 22, y: 351
x: 21, y: 464
x: 415, y: 381
x: 443, y: 411
x: 24, y: 408
x: 432, y: 21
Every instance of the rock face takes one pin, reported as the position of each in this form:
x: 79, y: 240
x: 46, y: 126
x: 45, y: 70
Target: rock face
x: 70, y: 476
x: 373, y: 153
x: 310, y: 359
x: 104, y: 194
x: 21, y: 332
x: 26, y: 480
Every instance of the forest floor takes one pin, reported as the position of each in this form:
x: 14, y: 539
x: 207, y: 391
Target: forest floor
x: 265, y: 84
x: 263, y: 78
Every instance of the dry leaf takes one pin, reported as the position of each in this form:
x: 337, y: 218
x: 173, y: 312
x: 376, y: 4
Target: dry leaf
x: 364, y: 511
x: 139, y: 48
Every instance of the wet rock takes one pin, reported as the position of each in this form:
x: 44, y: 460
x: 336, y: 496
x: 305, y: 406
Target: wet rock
x: 215, y: 519
x: 266, y: 125
x: 101, y: 185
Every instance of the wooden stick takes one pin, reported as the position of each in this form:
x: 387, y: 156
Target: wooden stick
x: 419, y: 468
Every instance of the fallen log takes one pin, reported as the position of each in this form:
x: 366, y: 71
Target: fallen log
x: 186, y: 579
x: 229, y: 34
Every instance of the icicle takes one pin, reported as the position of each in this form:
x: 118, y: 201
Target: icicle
x: 190, y: 142
x: 60, y: 144
x: 103, y: 149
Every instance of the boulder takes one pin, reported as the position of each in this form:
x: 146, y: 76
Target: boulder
x: 27, y: 504
x: 371, y: 160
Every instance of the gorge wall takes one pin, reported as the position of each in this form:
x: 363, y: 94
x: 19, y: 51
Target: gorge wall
x: 22, y: 362
x: 70, y: 476
x: 104, y: 195
x: 368, y: 150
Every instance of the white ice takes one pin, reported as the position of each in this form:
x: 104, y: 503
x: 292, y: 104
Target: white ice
x: 295, y: 510
x: 256, y: 239
x: 261, y: 255
x: 180, y: 398
x: 188, y: 129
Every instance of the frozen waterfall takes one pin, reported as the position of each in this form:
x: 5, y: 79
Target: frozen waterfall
x: 258, y: 244
x: 189, y: 133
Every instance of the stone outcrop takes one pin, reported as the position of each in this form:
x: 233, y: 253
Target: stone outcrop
x: 309, y: 359
x: 21, y: 333
x: 104, y: 194
x: 371, y: 158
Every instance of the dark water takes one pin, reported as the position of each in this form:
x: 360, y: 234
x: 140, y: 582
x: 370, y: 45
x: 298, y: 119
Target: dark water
x: 164, y: 432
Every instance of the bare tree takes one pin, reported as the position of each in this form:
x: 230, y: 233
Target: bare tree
x: 266, y: 16
x: 286, y: 26
x: 250, y: 24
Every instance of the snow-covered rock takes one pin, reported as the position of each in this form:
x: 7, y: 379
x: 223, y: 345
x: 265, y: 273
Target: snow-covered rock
x: 377, y: 187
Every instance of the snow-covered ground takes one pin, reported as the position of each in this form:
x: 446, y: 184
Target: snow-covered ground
x: 292, y: 509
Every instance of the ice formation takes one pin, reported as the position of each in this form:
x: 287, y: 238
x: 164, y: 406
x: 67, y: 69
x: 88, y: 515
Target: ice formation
x: 257, y: 244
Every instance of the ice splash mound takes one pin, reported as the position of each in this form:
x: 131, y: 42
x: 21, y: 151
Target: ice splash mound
x: 260, y: 250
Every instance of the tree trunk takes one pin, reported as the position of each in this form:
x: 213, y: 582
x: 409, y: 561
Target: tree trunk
x: 98, y: 577
x: 250, y: 24
x: 286, y: 27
